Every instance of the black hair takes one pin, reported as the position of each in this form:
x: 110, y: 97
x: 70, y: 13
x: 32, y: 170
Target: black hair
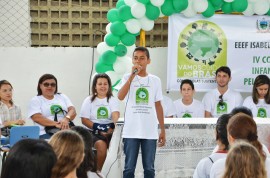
x: 221, y: 130
x: 93, y: 89
x: 145, y: 50
x: 89, y: 161
x: 187, y: 81
x: 224, y: 69
x: 241, y: 109
x: 29, y: 158
x: 42, y: 79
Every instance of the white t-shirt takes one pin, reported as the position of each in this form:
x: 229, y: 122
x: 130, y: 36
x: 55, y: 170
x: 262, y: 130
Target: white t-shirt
x: 194, y: 110
x: 100, y: 110
x: 140, y: 117
x: 231, y: 99
x: 39, y: 104
x: 94, y: 175
x: 204, y: 166
x: 262, y: 109
x: 168, y: 107
x: 218, y: 168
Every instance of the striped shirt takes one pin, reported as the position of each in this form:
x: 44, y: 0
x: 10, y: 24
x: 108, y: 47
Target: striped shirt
x: 9, y: 114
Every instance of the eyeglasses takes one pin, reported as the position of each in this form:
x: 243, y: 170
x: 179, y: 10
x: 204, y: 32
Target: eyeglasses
x: 49, y: 84
x: 221, y: 100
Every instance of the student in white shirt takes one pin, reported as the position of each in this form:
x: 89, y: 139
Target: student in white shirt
x: 259, y: 102
x: 241, y: 126
x: 168, y: 107
x: 204, y: 166
x: 187, y: 106
x: 222, y: 99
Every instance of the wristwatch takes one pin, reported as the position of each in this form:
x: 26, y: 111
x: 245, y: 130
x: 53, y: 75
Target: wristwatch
x: 68, y: 117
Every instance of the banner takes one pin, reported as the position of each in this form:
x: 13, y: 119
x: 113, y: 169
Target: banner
x: 197, y: 47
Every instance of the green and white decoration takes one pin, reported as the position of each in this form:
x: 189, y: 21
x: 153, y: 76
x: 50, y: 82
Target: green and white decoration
x: 130, y: 16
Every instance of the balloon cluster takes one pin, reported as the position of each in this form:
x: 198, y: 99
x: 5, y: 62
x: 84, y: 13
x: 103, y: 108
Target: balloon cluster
x: 130, y: 16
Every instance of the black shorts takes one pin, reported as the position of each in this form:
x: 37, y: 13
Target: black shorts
x: 97, y: 137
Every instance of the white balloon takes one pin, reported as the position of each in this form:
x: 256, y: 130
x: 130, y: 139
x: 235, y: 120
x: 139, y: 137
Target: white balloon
x: 122, y: 65
x: 103, y: 47
x: 130, y: 50
x: 157, y: 3
x: 130, y: 2
x: 108, y: 27
x: 114, y: 76
x: 200, y: 5
x: 261, y: 8
x: 146, y: 24
x: 133, y: 26
x: 228, y: 0
x: 189, y: 11
x: 160, y: 13
x: 138, y: 10
x: 249, y: 11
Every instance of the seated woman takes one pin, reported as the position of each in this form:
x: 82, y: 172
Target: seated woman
x: 204, y: 166
x: 241, y: 127
x: 88, y: 167
x: 187, y: 106
x: 29, y: 158
x: 50, y: 108
x: 10, y: 113
x: 99, y: 112
x: 259, y: 102
x: 69, y: 149
x: 244, y: 161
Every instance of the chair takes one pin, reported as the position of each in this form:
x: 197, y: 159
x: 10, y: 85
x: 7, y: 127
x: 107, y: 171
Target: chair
x: 19, y: 133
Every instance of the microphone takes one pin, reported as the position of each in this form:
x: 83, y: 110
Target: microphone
x: 135, y: 70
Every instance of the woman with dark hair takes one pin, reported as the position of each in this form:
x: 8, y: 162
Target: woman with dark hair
x: 241, y: 127
x: 259, y: 102
x: 10, y: 114
x: 88, y: 167
x: 204, y: 166
x: 50, y: 109
x: 99, y: 112
x: 29, y: 158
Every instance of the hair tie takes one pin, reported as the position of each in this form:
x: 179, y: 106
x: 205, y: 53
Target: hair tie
x: 252, y: 137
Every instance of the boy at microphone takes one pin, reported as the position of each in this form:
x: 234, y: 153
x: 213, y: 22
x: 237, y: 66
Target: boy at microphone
x: 143, y: 94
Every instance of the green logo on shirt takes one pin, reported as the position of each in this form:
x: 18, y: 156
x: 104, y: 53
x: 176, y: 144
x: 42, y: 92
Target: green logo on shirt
x: 261, y: 113
x: 102, y: 113
x: 187, y: 115
x: 222, y: 108
x: 142, y: 96
x: 55, y: 109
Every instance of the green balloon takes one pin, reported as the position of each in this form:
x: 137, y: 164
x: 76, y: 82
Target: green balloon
x: 125, y: 13
x: 152, y: 12
x: 210, y: 11
x: 118, y: 28
x: 128, y: 39
x: 102, y: 68
x: 120, y: 50
x: 108, y: 57
x: 112, y: 40
x: 268, y: 13
x: 113, y: 15
x: 216, y: 3
x: 227, y: 8
x: 180, y: 5
x: 239, y: 5
x: 167, y: 8
x: 143, y: 1
x: 120, y: 3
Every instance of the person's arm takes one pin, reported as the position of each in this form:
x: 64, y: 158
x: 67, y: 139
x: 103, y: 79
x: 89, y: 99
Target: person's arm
x: 15, y: 122
x: 160, y: 116
x: 115, y: 116
x: 71, y: 114
x: 40, y: 119
x: 87, y: 122
x: 125, y: 88
x: 207, y: 114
